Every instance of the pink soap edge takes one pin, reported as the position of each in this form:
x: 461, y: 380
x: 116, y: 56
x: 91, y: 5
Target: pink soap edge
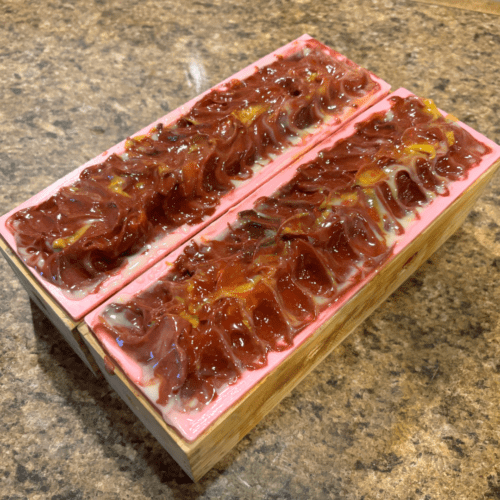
x: 192, y: 426
x: 77, y: 309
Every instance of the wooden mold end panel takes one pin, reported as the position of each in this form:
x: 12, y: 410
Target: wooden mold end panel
x: 139, y: 405
x: 66, y: 326
x: 198, y: 457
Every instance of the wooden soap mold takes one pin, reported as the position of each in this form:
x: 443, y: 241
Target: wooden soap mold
x: 198, y: 456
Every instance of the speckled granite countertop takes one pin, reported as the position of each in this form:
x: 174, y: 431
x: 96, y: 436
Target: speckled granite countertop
x: 407, y: 408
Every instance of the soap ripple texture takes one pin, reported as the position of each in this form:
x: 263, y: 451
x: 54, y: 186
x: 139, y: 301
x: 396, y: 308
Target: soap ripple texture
x: 177, y: 174
x: 228, y: 302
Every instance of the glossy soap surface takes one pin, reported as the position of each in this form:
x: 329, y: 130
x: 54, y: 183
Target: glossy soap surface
x: 230, y: 301
x: 177, y: 174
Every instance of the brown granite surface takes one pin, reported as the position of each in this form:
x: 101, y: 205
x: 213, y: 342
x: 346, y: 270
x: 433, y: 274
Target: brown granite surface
x: 407, y: 408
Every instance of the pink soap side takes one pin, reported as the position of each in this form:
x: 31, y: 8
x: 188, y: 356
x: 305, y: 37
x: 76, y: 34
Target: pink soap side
x: 138, y: 263
x: 191, y: 426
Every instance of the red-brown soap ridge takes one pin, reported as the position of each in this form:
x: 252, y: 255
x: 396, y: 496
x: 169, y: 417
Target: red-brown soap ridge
x: 228, y: 302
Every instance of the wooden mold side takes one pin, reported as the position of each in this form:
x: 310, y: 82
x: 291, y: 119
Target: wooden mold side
x: 139, y: 404
x: 66, y: 326
x: 199, y: 456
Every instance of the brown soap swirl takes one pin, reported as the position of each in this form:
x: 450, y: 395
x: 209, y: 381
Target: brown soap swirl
x: 177, y: 174
x: 228, y: 302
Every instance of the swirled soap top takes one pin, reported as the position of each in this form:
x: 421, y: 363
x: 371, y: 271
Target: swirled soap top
x: 177, y: 174
x: 226, y: 303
